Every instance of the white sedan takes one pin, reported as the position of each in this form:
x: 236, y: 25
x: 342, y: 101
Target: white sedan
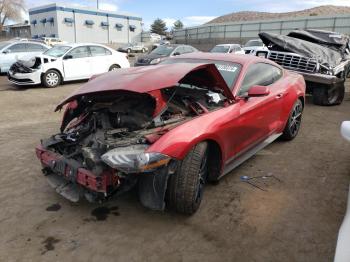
x: 228, y: 48
x: 65, y: 63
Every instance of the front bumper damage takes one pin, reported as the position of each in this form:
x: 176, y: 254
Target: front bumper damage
x: 33, y: 78
x: 74, y: 182
x: 20, y: 74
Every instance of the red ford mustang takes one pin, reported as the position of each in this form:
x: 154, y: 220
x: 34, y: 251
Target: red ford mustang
x: 170, y: 128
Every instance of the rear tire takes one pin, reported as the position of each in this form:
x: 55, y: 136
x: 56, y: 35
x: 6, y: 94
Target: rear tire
x: 292, y: 127
x: 114, y: 67
x: 328, y: 96
x: 185, y: 187
x: 51, y: 79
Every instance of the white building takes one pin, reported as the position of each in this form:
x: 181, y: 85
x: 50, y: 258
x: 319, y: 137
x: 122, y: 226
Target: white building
x: 73, y: 24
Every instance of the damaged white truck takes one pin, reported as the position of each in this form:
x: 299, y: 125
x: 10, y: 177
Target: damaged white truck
x: 322, y: 57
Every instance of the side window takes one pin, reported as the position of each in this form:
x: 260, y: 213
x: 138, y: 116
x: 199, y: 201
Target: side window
x: 260, y: 74
x: 188, y: 49
x: 99, y: 51
x: 35, y: 48
x: 17, y: 48
x: 79, y: 52
x: 179, y: 50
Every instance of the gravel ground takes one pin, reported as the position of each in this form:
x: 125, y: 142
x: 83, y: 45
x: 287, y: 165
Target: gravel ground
x: 296, y: 219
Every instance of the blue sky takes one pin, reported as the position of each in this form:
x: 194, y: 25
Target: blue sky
x: 192, y: 12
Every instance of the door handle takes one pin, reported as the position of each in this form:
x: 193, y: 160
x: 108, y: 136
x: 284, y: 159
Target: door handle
x: 279, y: 96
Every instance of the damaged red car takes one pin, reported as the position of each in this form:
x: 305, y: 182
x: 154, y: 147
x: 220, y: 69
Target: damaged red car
x: 170, y: 128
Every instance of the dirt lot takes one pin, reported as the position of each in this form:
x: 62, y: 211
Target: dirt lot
x: 297, y: 219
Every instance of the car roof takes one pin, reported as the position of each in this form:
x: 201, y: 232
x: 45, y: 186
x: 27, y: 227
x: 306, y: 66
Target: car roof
x: 81, y: 44
x: 240, y: 59
x: 228, y: 45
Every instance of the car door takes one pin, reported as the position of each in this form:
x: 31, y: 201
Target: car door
x: 101, y: 59
x: 12, y: 54
x: 259, y: 116
x: 77, y: 63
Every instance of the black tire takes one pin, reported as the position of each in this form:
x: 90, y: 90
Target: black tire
x: 185, y: 187
x: 328, y: 96
x: 292, y: 127
x: 51, y: 78
x: 113, y: 67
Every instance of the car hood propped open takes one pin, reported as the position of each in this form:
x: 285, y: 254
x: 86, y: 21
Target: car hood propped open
x: 151, y: 78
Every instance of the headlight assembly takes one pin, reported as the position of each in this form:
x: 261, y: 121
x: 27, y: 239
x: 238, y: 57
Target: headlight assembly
x: 134, y: 159
x: 155, y: 61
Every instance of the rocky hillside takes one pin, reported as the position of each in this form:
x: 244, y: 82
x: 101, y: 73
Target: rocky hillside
x: 251, y: 16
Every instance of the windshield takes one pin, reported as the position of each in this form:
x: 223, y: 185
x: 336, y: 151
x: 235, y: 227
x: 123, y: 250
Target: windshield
x: 57, y: 51
x: 163, y: 50
x: 228, y: 70
x: 220, y: 49
x: 4, y: 44
x: 254, y: 43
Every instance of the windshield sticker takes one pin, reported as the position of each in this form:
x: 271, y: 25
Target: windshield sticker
x: 228, y: 68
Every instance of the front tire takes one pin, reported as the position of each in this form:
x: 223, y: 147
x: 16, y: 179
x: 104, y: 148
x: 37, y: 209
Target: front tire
x: 51, y: 79
x: 328, y: 96
x: 292, y: 127
x: 185, y: 187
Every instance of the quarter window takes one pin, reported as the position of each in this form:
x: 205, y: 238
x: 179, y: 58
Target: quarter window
x: 79, y: 52
x: 260, y: 74
x: 35, y: 48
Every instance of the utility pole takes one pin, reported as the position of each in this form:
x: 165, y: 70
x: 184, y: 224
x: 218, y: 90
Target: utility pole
x: 97, y: 4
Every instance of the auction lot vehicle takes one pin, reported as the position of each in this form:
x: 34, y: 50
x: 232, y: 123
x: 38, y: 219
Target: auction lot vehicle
x: 228, y: 48
x: 170, y: 128
x: 322, y: 57
x: 11, y: 51
x: 133, y: 48
x: 52, y: 41
x: 253, y: 46
x: 65, y: 63
x: 163, y: 52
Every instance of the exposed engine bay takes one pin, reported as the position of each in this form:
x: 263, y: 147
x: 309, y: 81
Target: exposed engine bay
x: 126, y: 122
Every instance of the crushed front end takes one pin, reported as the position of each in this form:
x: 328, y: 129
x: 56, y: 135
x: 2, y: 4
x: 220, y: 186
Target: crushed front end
x: 102, y: 149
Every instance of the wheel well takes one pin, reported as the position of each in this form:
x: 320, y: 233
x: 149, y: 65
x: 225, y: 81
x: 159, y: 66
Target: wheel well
x: 214, y: 160
x: 53, y: 69
x: 302, y: 99
x: 115, y: 65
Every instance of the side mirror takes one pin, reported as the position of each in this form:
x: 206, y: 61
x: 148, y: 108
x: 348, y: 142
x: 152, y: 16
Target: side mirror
x: 7, y: 51
x: 67, y: 57
x: 176, y: 53
x: 345, y: 130
x: 257, y: 91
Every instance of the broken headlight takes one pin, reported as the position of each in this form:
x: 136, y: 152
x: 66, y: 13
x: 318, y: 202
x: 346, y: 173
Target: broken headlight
x: 134, y: 159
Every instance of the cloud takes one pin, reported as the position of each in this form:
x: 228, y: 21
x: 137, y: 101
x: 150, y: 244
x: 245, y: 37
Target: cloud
x: 196, y: 20
x: 108, y: 7
x: 169, y: 22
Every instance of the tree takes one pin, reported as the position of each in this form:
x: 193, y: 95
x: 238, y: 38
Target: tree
x: 159, y: 27
x: 10, y: 10
x: 178, y: 25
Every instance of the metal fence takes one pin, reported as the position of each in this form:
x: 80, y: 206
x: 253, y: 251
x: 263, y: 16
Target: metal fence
x: 243, y: 31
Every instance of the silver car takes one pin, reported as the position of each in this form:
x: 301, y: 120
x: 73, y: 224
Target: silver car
x: 11, y: 51
x: 133, y: 48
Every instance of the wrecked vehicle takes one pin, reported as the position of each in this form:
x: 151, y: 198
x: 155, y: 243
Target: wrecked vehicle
x: 66, y: 63
x: 322, y: 57
x: 170, y: 128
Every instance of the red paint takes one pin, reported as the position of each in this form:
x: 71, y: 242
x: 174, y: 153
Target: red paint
x: 241, y: 123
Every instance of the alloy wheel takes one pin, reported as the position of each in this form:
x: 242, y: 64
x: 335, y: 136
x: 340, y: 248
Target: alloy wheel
x: 295, y: 119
